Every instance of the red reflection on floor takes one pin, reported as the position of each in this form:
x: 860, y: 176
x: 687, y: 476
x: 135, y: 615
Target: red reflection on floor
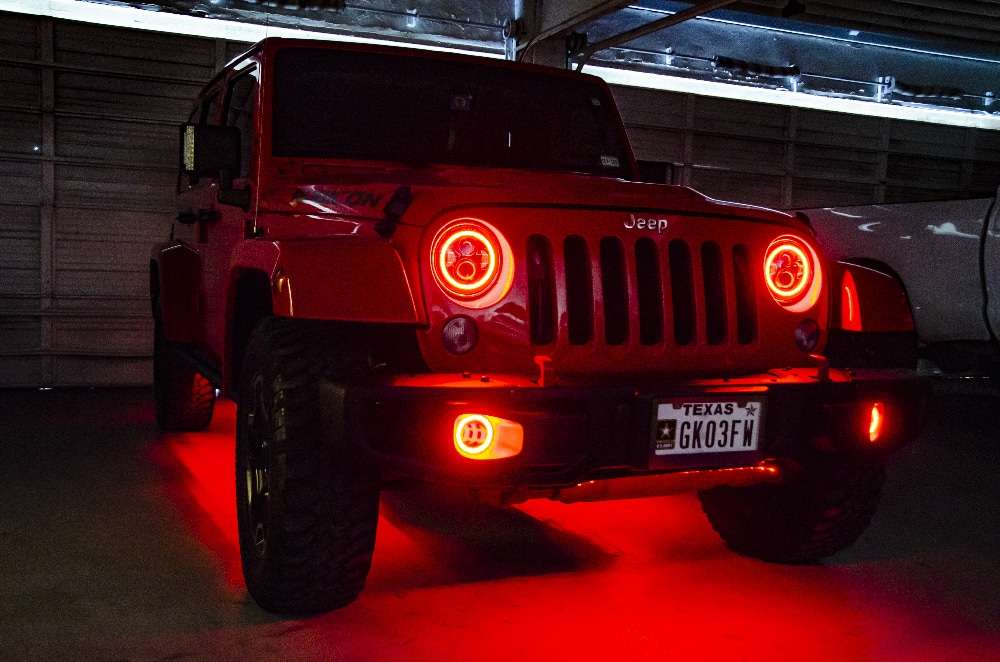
x: 640, y: 579
x: 200, y: 470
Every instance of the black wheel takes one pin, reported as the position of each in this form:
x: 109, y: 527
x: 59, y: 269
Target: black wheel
x: 816, y: 514
x: 307, y: 500
x: 184, y: 398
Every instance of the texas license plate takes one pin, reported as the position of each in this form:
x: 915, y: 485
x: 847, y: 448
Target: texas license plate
x: 689, y: 426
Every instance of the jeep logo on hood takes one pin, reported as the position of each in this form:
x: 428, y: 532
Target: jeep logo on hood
x: 634, y: 222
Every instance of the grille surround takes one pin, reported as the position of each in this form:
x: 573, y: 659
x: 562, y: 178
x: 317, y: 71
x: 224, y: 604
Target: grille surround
x: 675, y: 292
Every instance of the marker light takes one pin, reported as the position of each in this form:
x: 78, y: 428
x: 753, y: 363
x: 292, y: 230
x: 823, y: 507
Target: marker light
x: 792, y: 273
x: 467, y: 259
x: 850, y: 304
x: 876, y: 420
x: 482, y: 437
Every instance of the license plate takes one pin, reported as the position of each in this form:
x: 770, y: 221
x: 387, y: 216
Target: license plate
x: 690, y: 426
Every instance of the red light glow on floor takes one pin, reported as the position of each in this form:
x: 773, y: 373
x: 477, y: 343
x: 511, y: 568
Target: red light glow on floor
x: 638, y: 579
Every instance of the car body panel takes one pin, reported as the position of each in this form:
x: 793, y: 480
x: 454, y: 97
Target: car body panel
x: 991, y: 269
x: 934, y: 248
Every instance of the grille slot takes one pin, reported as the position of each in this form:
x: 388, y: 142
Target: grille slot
x: 650, y: 294
x: 746, y: 308
x: 579, y: 290
x: 541, y: 291
x: 614, y: 287
x: 715, y: 293
x: 682, y: 292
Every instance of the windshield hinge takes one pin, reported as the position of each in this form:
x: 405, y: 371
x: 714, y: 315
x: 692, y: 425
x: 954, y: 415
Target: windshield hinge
x: 394, y: 210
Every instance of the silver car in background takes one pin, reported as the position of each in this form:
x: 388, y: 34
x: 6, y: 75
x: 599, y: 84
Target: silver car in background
x: 947, y: 255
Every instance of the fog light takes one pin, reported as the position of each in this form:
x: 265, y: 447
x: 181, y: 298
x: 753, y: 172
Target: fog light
x: 807, y: 335
x: 460, y: 335
x: 876, y: 421
x: 482, y: 437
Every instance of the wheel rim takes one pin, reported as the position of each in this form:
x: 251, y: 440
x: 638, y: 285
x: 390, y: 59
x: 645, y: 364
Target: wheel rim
x: 257, y: 477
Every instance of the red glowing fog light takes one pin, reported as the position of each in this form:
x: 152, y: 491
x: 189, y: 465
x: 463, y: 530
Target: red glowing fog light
x: 876, y: 421
x: 482, y: 437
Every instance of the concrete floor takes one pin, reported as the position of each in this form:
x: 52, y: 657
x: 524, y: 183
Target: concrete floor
x: 117, y: 543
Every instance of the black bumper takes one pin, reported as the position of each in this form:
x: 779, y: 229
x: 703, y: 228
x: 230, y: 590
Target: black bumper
x: 576, y: 433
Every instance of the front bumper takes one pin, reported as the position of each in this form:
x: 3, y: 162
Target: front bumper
x: 576, y: 433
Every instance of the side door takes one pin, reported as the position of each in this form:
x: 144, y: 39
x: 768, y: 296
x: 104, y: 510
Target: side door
x: 991, y: 266
x: 224, y: 226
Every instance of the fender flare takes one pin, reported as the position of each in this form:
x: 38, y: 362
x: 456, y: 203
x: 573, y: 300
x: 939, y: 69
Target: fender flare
x: 338, y: 279
x: 870, y: 298
x: 344, y: 278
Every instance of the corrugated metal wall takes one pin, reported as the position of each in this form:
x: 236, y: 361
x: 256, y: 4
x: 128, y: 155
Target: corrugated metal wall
x: 793, y: 157
x: 87, y: 151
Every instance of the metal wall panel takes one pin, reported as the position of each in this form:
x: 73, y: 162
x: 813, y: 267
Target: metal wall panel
x: 87, y: 176
x: 20, y: 256
x: 797, y: 158
x: 136, y: 52
x: 19, y: 37
x: 20, y: 87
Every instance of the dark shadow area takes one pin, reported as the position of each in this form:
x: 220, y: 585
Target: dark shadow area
x: 942, y: 491
x: 480, y: 542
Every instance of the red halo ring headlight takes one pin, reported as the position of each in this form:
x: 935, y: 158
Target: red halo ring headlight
x: 472, y: 262
x: 793, y: 273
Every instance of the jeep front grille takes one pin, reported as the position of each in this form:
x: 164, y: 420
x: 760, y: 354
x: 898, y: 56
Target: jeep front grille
x: 642, y: 291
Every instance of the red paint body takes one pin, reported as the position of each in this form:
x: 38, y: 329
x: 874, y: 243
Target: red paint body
x: 312, y: 242
x: 314, y: 221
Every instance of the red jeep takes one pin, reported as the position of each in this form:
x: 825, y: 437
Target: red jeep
x: 410, y: 267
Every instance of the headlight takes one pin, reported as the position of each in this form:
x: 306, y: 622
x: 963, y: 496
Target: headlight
x: 792, y: 272
x: 471, y: 262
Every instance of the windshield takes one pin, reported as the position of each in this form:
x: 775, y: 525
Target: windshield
x: 423, y: 110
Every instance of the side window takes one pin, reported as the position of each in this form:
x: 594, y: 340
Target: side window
x: 240, y: 111
x: 210, y: 110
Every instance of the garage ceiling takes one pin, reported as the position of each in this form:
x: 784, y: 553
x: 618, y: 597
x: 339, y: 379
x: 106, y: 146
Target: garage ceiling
x: 926, y: 53
x: 975, y: 23
x: 963, y: 24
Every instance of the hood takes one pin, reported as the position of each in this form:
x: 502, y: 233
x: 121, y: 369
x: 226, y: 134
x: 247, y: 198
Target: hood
x: 363, y: 194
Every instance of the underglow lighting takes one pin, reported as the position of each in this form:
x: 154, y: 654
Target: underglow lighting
x: 140, y: 19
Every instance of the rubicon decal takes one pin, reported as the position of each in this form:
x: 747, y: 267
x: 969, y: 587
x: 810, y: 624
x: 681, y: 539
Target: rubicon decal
x: 634, y: 222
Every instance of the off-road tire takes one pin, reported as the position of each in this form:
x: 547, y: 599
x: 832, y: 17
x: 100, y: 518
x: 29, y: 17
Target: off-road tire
x: 184, y: 398
x: 818, y: 513
x: 320, y: 511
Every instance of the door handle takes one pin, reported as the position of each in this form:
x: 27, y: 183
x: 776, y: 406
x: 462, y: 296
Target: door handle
x: 208, y: 215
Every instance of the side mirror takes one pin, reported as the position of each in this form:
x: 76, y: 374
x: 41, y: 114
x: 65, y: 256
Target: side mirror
x: 206, y: 150
x: 656, y: 172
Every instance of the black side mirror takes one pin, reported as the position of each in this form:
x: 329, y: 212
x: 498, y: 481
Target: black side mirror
x: 207, y: 150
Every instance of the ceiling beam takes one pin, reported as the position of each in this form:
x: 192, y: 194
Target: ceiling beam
x: 694, y: 11
x: 538, y: 20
